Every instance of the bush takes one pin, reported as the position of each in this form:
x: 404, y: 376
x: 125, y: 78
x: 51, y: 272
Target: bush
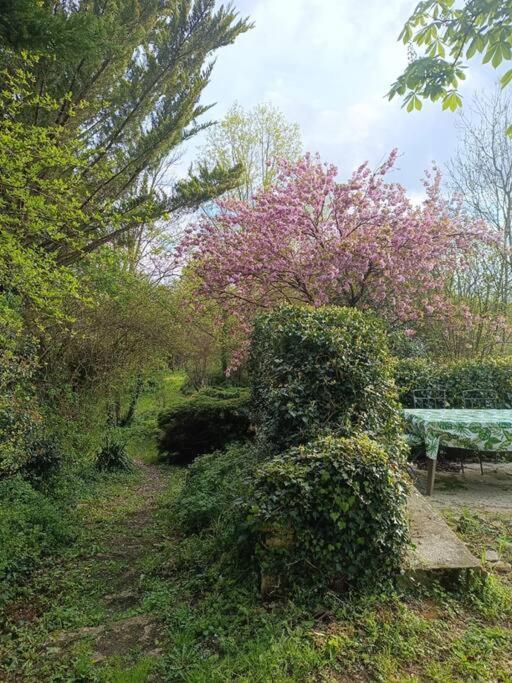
x: 20, y: 415
x: 333, y: 509
x: 320, y: 370
x: 205, y: 422
x: 213, y: 487
x: 415, y: 374
x: 31, y: 526
x: 491, y: 376
x: 44, y: 458
x: 113, y: 456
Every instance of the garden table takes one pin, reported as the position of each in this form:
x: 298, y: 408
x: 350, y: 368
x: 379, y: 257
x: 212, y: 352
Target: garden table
x: 474, y: 430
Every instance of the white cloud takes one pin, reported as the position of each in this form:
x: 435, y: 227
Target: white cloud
x: 328, y: 65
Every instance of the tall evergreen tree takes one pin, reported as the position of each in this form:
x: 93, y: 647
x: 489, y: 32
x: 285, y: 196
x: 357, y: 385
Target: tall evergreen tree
x: 129, y: 88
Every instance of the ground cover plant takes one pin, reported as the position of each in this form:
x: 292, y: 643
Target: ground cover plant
x: 211, y: 623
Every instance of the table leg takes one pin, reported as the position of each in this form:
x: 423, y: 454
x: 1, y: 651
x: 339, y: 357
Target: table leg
x: 431, y: 476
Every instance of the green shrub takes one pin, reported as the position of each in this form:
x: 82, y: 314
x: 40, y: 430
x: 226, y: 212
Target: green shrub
x: 20, y: 415
x: 320, y: 370
x: 213, y: 487
x: 113, y: 456
x: 403, y: 346
x: 415, y: 374
x: 44, y: 458
x: 333, y: 509
x: 491, y: 376
x: 32, y: 525
x: 205, y: 422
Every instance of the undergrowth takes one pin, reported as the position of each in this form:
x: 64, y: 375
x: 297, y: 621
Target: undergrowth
x: 196, y: 579
x: 219, y: 629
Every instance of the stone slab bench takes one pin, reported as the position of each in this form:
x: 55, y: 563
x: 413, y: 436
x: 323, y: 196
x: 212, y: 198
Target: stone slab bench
x: 437, y: 550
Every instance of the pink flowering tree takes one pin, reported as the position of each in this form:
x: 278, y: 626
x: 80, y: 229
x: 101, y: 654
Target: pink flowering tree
x: 311, y: 239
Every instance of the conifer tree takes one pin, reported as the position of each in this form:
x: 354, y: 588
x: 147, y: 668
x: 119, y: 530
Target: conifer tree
x: 129, y: 87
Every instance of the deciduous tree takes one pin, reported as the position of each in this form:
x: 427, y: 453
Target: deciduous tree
x: 310, y: 239
x: 450, y: 34
x: 254, y: 140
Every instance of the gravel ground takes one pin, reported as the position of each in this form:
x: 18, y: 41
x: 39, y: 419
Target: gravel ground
x: 471, y: 489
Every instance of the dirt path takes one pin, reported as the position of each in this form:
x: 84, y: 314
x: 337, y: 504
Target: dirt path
x: 491, y: 490
x: 135, y: 537
x: 91, y: 607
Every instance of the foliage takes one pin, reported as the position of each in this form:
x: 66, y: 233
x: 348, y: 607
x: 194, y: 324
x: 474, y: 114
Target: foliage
x: 20, y: 412
x: 32, y: 525
x: 313, y: 240
x: 212, y: 625
x: 449, y: 34
x: 403, y: 345
x: 321, y: 370
x: 125, y: 331
x: 44, y: 457
x: 129, y: 87
x: 415, y: 374
x: 204, y: 183
x: 204, y: 337
x: 255, y: 141
x: 113, y: 456
x: 334, y: 508
x: 214, y: 486
x: 481, y: 175
x: 29, y: 25
x: 41, y: 214
x: 489, y: 376
x: 207, y: 421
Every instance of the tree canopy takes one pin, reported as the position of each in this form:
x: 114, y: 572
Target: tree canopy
x: 449, y: 34
x: 129, y: 89
x: 255, y: 141
x: 312, y: 240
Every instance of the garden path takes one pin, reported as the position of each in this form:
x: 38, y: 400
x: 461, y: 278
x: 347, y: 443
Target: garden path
x: 128, y: 547
x: 92, y: 607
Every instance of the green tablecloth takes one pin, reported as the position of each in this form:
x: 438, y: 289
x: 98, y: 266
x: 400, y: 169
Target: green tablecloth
x: 476, y: 430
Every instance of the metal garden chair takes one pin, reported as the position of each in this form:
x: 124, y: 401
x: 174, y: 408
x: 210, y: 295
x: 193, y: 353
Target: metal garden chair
x: 479, y: 399
x: 432, y: 399
x: 435, y: 398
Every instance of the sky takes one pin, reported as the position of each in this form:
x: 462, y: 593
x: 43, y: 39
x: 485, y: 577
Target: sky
x: 327, y: 64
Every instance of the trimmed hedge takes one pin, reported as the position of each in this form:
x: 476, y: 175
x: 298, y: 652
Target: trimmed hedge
x: 333, y: 509
x: 320, y: 370
x: 205, y: 422
x: 489, y: 376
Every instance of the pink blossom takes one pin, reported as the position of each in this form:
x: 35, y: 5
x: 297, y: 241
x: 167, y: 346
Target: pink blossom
x: 309, y: 239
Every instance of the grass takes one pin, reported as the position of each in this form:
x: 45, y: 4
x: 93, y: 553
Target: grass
x: 214, y: 628
x: 141, y: 434
x: 66, y: 593
x: 218, y: 629
x: 210, y: 623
